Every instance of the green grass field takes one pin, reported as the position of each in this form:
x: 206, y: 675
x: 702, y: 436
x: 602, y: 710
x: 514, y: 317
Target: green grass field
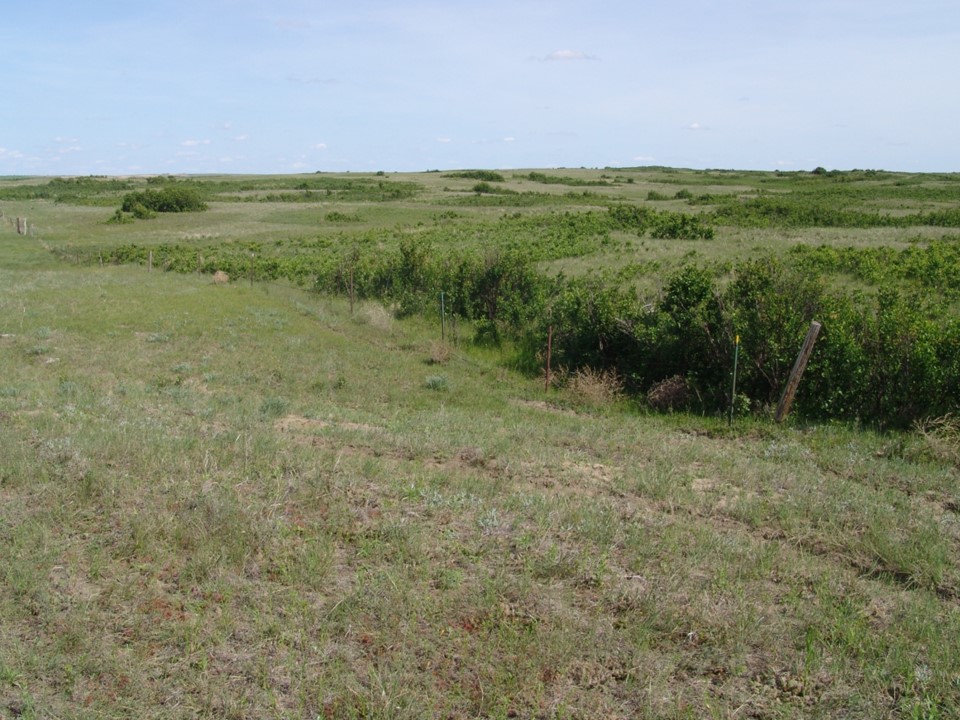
x: 248, y: 500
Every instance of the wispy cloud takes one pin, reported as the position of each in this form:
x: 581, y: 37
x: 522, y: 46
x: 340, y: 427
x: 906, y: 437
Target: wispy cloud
x: 312, y: 80
x: 566, y: 55
x: 320, y: 146
x: 444, y: 140
x: 241, y: 138
x: 194, y: 143
x: 696, y: 127
x: 292, y: 24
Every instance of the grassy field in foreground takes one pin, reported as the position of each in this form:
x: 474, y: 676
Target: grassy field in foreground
x: 245, y: 501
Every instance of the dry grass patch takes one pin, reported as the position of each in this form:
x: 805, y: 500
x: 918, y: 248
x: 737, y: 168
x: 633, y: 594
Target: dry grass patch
x: 440, y: 353
x: 596, y: 388
x: 673, y: 393
x: 942, y: 437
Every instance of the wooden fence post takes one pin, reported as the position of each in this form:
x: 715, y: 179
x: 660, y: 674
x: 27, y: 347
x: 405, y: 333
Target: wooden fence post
x: 150, y: 262
x: 786, y: 400
x: 351, y: 290
x: 546, y: 384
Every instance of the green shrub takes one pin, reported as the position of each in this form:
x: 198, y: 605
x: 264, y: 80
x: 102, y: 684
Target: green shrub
x: 168, y: 200
x: 119, y: 218
x: 678, y: 226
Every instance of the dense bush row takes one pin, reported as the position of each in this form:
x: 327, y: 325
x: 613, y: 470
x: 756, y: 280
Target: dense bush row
x: 484, y: 175
x: 545, y: 179
x: 805, y: 210
x: 935, y: 264
x: 90, y: 190
x: 889, y: 359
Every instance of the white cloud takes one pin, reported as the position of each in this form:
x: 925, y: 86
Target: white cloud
x: 194, y: 143
x: 562, y: 55
x: 695, y: 126
x: 444, y: 140
x: 509, y: 139
x: 643, y: 158
x: 241, y: 138
x: 70, y: 140
x: 320, y: 146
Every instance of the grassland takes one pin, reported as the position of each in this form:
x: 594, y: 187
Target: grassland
x: 248, y: 500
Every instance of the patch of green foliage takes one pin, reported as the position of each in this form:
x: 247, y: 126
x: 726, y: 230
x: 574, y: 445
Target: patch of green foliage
x: 172, y: 199
x: 798, y: 210
x: 545, y: 179
x: 934, y: 265
x: 483, y: 175
x: 311, y: 189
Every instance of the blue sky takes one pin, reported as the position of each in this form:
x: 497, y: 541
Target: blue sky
x: 244, y: 86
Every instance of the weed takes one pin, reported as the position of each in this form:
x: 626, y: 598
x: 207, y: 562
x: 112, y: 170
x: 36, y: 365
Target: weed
x: 941, y: 437
x: 597, y: 388
x: 274, y: 407
x: 440, y: 353
x: 436, y: 382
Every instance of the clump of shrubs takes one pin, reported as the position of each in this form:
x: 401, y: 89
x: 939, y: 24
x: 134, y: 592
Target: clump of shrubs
x: 147, y: 204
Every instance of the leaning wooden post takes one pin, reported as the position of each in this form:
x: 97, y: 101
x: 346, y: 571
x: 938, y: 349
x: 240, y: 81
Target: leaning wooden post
x: 786, y: 400
x: 150, y: 262
x: 733, y: 387
x: 443, y: 318
x: 351, y: 290
x: 546, y: 384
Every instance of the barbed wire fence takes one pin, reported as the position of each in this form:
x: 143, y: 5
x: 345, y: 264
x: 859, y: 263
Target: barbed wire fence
x: 22, y: 227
